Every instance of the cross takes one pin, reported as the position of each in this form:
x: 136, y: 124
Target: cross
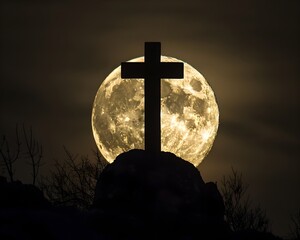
x: 152, y: 70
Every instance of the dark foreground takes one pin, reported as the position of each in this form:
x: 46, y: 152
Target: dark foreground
x: 139, y: 196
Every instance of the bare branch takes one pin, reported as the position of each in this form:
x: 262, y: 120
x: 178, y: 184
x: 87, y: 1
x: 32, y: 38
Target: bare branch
x: 239, y: 212
x: 8, y: 157
x: 73, y: 180
x: 295, y: 227
x: 34, y: 151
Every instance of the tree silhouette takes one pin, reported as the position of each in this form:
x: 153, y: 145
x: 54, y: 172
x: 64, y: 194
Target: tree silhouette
x: 73, y: 180
x: 32, y: 151
x: 240, y: 213
x: 295, y: 227
x: 9, y: 156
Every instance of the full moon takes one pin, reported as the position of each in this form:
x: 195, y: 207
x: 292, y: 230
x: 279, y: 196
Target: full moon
x: 189, y: 115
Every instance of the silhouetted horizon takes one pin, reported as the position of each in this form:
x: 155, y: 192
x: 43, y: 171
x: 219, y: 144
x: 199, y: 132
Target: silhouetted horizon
x: 141, y: 195
x: 55, y: 55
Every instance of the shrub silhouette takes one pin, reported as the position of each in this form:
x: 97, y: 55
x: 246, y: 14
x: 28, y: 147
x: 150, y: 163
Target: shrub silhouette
x: 73, y: 180
x: 239, y: 210
x: 295, y: 227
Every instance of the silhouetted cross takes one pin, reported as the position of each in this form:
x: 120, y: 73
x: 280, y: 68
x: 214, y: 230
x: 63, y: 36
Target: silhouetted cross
x: 152, y: 70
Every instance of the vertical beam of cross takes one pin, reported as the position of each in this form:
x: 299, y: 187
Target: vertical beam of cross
x: 152, y: 70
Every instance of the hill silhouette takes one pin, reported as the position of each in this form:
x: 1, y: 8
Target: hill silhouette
x: 18, y: 195
x: 138, y: 196
x: 158, y: 196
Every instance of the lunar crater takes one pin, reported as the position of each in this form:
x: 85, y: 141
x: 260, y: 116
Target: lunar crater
x: 189, y: 115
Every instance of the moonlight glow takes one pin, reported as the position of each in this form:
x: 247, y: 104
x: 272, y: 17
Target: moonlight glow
x: 189, y: 115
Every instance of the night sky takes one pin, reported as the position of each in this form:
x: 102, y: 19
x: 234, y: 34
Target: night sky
x: 55, y: 54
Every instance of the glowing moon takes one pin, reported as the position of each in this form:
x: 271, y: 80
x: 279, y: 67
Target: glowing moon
x: 189, y: 115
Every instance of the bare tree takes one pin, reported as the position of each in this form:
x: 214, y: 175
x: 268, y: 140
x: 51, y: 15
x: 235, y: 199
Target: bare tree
x: 9, y: 156
x: 73, y: 180
x: 34, y: 152
x: 295, y: 227
x: 239, y: 211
